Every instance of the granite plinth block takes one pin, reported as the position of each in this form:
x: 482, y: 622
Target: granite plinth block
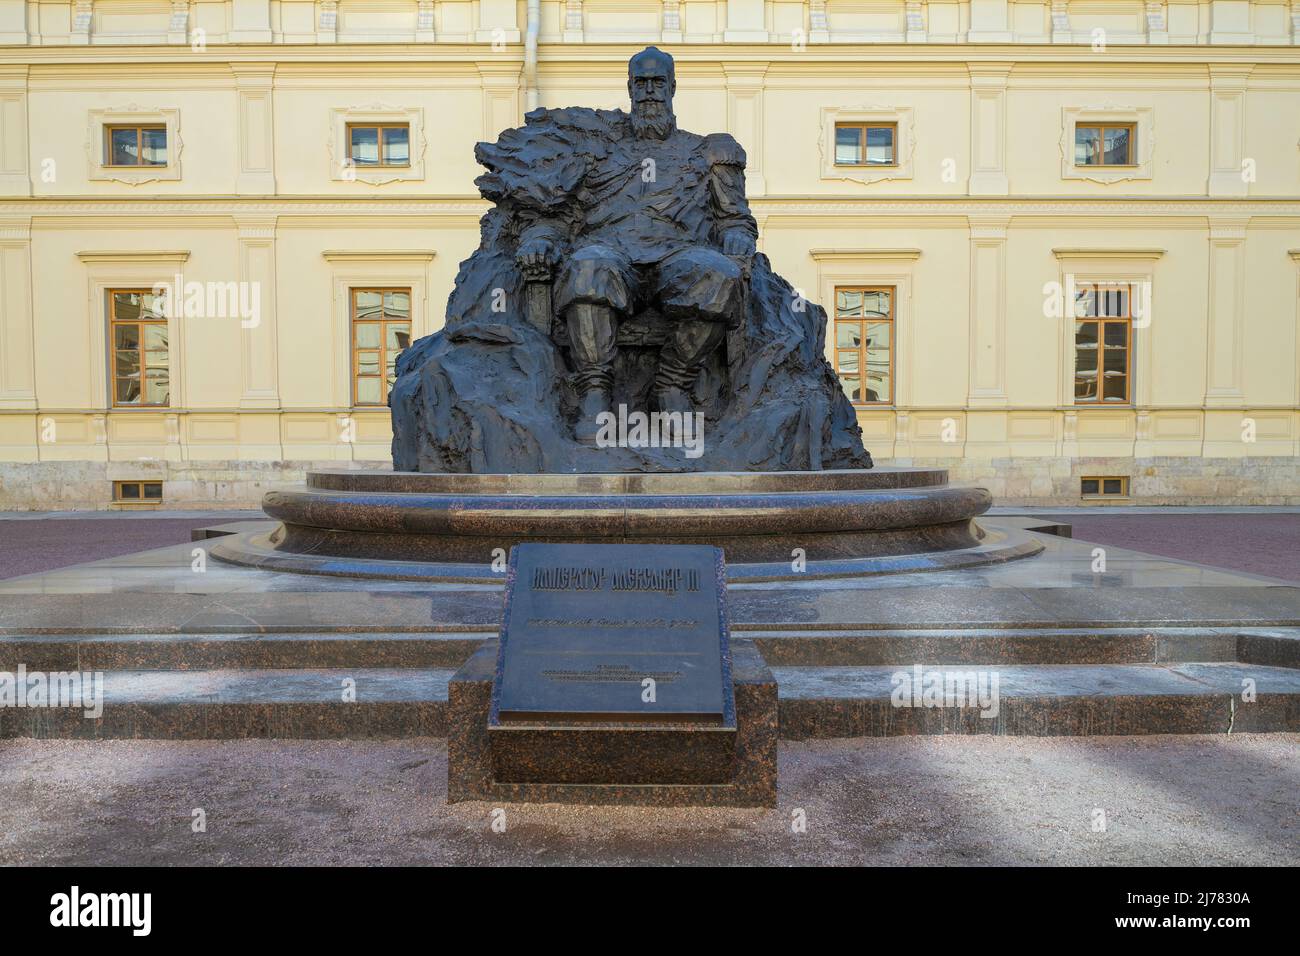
x: 650, y: 483
x: 751, y: 526
x: 266, y: 551
x: 644, y: 765
x: 844, y: 523
x: 611, y: 753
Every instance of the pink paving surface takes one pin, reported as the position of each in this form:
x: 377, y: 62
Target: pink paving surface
x: 28, y: 546
x: 1267, y: 544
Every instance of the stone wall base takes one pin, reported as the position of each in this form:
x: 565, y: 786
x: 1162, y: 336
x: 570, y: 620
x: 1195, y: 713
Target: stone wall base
x: 1271, y: 480
x: 88, y: 485
x: 1263, y: 480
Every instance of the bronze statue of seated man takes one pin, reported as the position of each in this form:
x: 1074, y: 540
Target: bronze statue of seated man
x: 657, y: 217
x: 618, y: 246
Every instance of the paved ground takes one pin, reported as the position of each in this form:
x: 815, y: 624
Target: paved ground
x: 935, y: 800
x: 29, y: 544
x: 944, y: 800
x: 1259, y: 543
x: 1255, y: 543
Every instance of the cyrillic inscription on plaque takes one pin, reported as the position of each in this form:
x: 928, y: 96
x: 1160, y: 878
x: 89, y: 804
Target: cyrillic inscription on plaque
x: 614, y: 632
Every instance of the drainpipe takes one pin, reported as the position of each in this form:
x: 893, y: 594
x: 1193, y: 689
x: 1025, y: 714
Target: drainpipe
x: 530, y: 55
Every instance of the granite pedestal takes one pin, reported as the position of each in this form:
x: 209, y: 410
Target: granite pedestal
x: 614, y: 762
x: 1149, y: 645
x: 452, y: 527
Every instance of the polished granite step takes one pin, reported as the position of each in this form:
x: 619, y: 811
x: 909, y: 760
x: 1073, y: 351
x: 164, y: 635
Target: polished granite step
x: 845, y: 647
x: 1039, y: 701
x: 857, y: 701
x: 235, y: 649
x: 236, y: 704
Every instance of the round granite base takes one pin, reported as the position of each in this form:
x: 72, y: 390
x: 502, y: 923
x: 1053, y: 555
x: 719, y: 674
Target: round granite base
x: 772, y: 526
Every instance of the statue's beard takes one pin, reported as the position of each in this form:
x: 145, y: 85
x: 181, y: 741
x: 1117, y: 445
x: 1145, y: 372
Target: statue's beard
x: 653, y: 120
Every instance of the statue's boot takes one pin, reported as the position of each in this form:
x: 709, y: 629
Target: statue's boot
x: 592, y: 344
x: 690, y: 342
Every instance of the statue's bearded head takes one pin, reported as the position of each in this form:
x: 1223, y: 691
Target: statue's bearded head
x: 651, y: 83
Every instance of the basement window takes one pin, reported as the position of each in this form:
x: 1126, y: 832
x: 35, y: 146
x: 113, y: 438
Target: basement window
x: 1108, y: 486
x: 137, y: 492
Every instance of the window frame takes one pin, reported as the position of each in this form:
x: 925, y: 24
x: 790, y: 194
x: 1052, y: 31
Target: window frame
x: 865, y: 125
x: 1102, y: 321
x: 139, y: 128
x: 904, y: 120
x: 1101, y: 126
x: 1101, y: 492
x: 861, y: 320
x: 383, y: 323
x: 379, y: 128
x: 141, y: 498
x: 113, y: 322
x: 339, y: 152
x: 98, y: 144
x: 1142, y: 155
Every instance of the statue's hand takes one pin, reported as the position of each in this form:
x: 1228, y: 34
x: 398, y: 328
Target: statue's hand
x: 538, y: 252
x: 738, y: 243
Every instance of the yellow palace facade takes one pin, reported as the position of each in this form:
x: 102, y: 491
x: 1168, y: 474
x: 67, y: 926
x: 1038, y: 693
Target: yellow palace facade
x: 1058, y: 242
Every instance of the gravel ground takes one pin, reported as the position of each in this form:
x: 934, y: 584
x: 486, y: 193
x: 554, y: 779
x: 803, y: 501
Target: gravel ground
x: 933, y: 800
x: 1266, y: 544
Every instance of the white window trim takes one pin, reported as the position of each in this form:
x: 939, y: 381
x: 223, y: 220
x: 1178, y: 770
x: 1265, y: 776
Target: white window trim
x: 905, y: 145
x: 1142, y: 118
x: 340, y: 156
x: 112, y: 269
x: 892, y: 267
x: 96, y: 144
x: 1104, y: 266
x: 366, y: 269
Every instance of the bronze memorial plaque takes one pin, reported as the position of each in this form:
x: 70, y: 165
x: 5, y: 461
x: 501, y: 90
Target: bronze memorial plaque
x: 614, y: 632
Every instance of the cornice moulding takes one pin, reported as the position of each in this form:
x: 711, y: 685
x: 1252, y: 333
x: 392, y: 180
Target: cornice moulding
x: 129, y: 255
x: 832, y: 255
x: 1072, y: 253
x: 310, y: 211
x: 988, y: 58
x: 372, y: 255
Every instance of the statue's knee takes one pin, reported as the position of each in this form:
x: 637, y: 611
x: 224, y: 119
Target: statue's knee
x: 593, y: 275
x: 707, y: 285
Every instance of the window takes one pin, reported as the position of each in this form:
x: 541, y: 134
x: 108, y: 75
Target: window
x: 137, y: 491
x: 866, y: 144
x: 135, y: 145
x: 1115, y: 486
x: 379, y: 145
x: 376, y: 145
x: 1103, y: 335
x: 864, y: 343
x: 138, y: 331
x: 381, y: 330
x: 1108, y: 145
